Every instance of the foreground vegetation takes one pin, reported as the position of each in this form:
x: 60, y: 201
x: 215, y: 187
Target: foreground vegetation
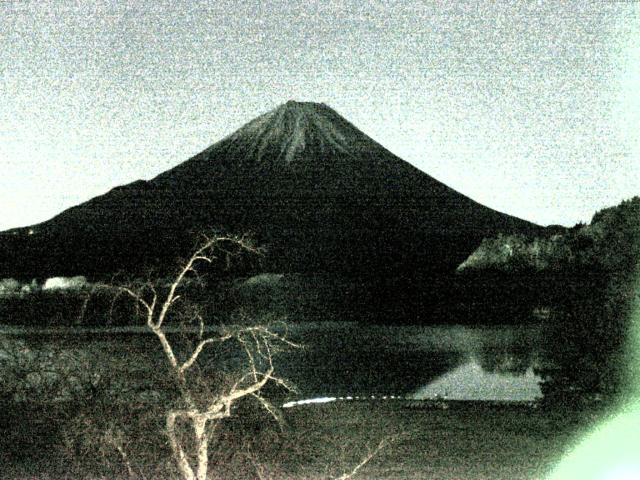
x: 468, y: 440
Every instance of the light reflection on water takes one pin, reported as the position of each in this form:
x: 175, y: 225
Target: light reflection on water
x: 471, y: 382
x: 415, y: 363
x: 309, y: 401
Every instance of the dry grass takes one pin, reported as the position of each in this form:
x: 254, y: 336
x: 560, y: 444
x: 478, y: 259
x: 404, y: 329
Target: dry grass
x: 466, y: 441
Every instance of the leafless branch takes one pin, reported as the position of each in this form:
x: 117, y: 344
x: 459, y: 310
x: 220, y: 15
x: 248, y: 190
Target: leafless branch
x: 363, y: 462
x: 268, y: 406
x: 196, y: 352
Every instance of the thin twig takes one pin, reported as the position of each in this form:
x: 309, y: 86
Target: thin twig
x: 363, y: 462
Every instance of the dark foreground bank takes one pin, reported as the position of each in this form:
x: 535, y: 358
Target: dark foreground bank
x: 463, y: 440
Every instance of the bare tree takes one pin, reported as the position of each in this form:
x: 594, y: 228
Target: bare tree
x: 198, y: 409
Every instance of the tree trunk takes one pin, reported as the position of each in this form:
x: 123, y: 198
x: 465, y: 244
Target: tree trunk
x: 186, y: 472
x: 202, y: 445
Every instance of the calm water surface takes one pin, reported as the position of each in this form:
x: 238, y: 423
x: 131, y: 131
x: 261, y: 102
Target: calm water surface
x: 348, y: 359
x: 479, y: 363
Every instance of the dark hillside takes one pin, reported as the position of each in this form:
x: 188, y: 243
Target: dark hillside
x: 312, y: 188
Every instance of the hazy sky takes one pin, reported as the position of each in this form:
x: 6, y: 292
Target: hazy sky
x: 528, y: 107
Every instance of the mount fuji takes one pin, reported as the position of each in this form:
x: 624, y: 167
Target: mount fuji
x: 315, y: 191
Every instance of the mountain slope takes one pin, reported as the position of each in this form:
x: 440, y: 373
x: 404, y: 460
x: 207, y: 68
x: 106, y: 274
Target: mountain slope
x: 311, y: 187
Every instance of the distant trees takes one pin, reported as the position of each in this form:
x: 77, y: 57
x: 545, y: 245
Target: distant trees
x: 518, y: 252
x: 12, y: 287
x: 588, y: 275
x: 65, y: 283
x: 597, y: 320
x: 611, y: 243
x: 9, y: 286
x: 615, y: 235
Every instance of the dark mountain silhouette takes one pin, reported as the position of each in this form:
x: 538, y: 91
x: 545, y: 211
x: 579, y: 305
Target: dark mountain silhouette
x: 318, y: 193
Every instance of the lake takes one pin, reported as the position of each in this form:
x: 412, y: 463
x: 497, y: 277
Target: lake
x: 338, y: 359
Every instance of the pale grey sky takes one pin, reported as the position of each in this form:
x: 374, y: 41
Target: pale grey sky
x: 528, y: 107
